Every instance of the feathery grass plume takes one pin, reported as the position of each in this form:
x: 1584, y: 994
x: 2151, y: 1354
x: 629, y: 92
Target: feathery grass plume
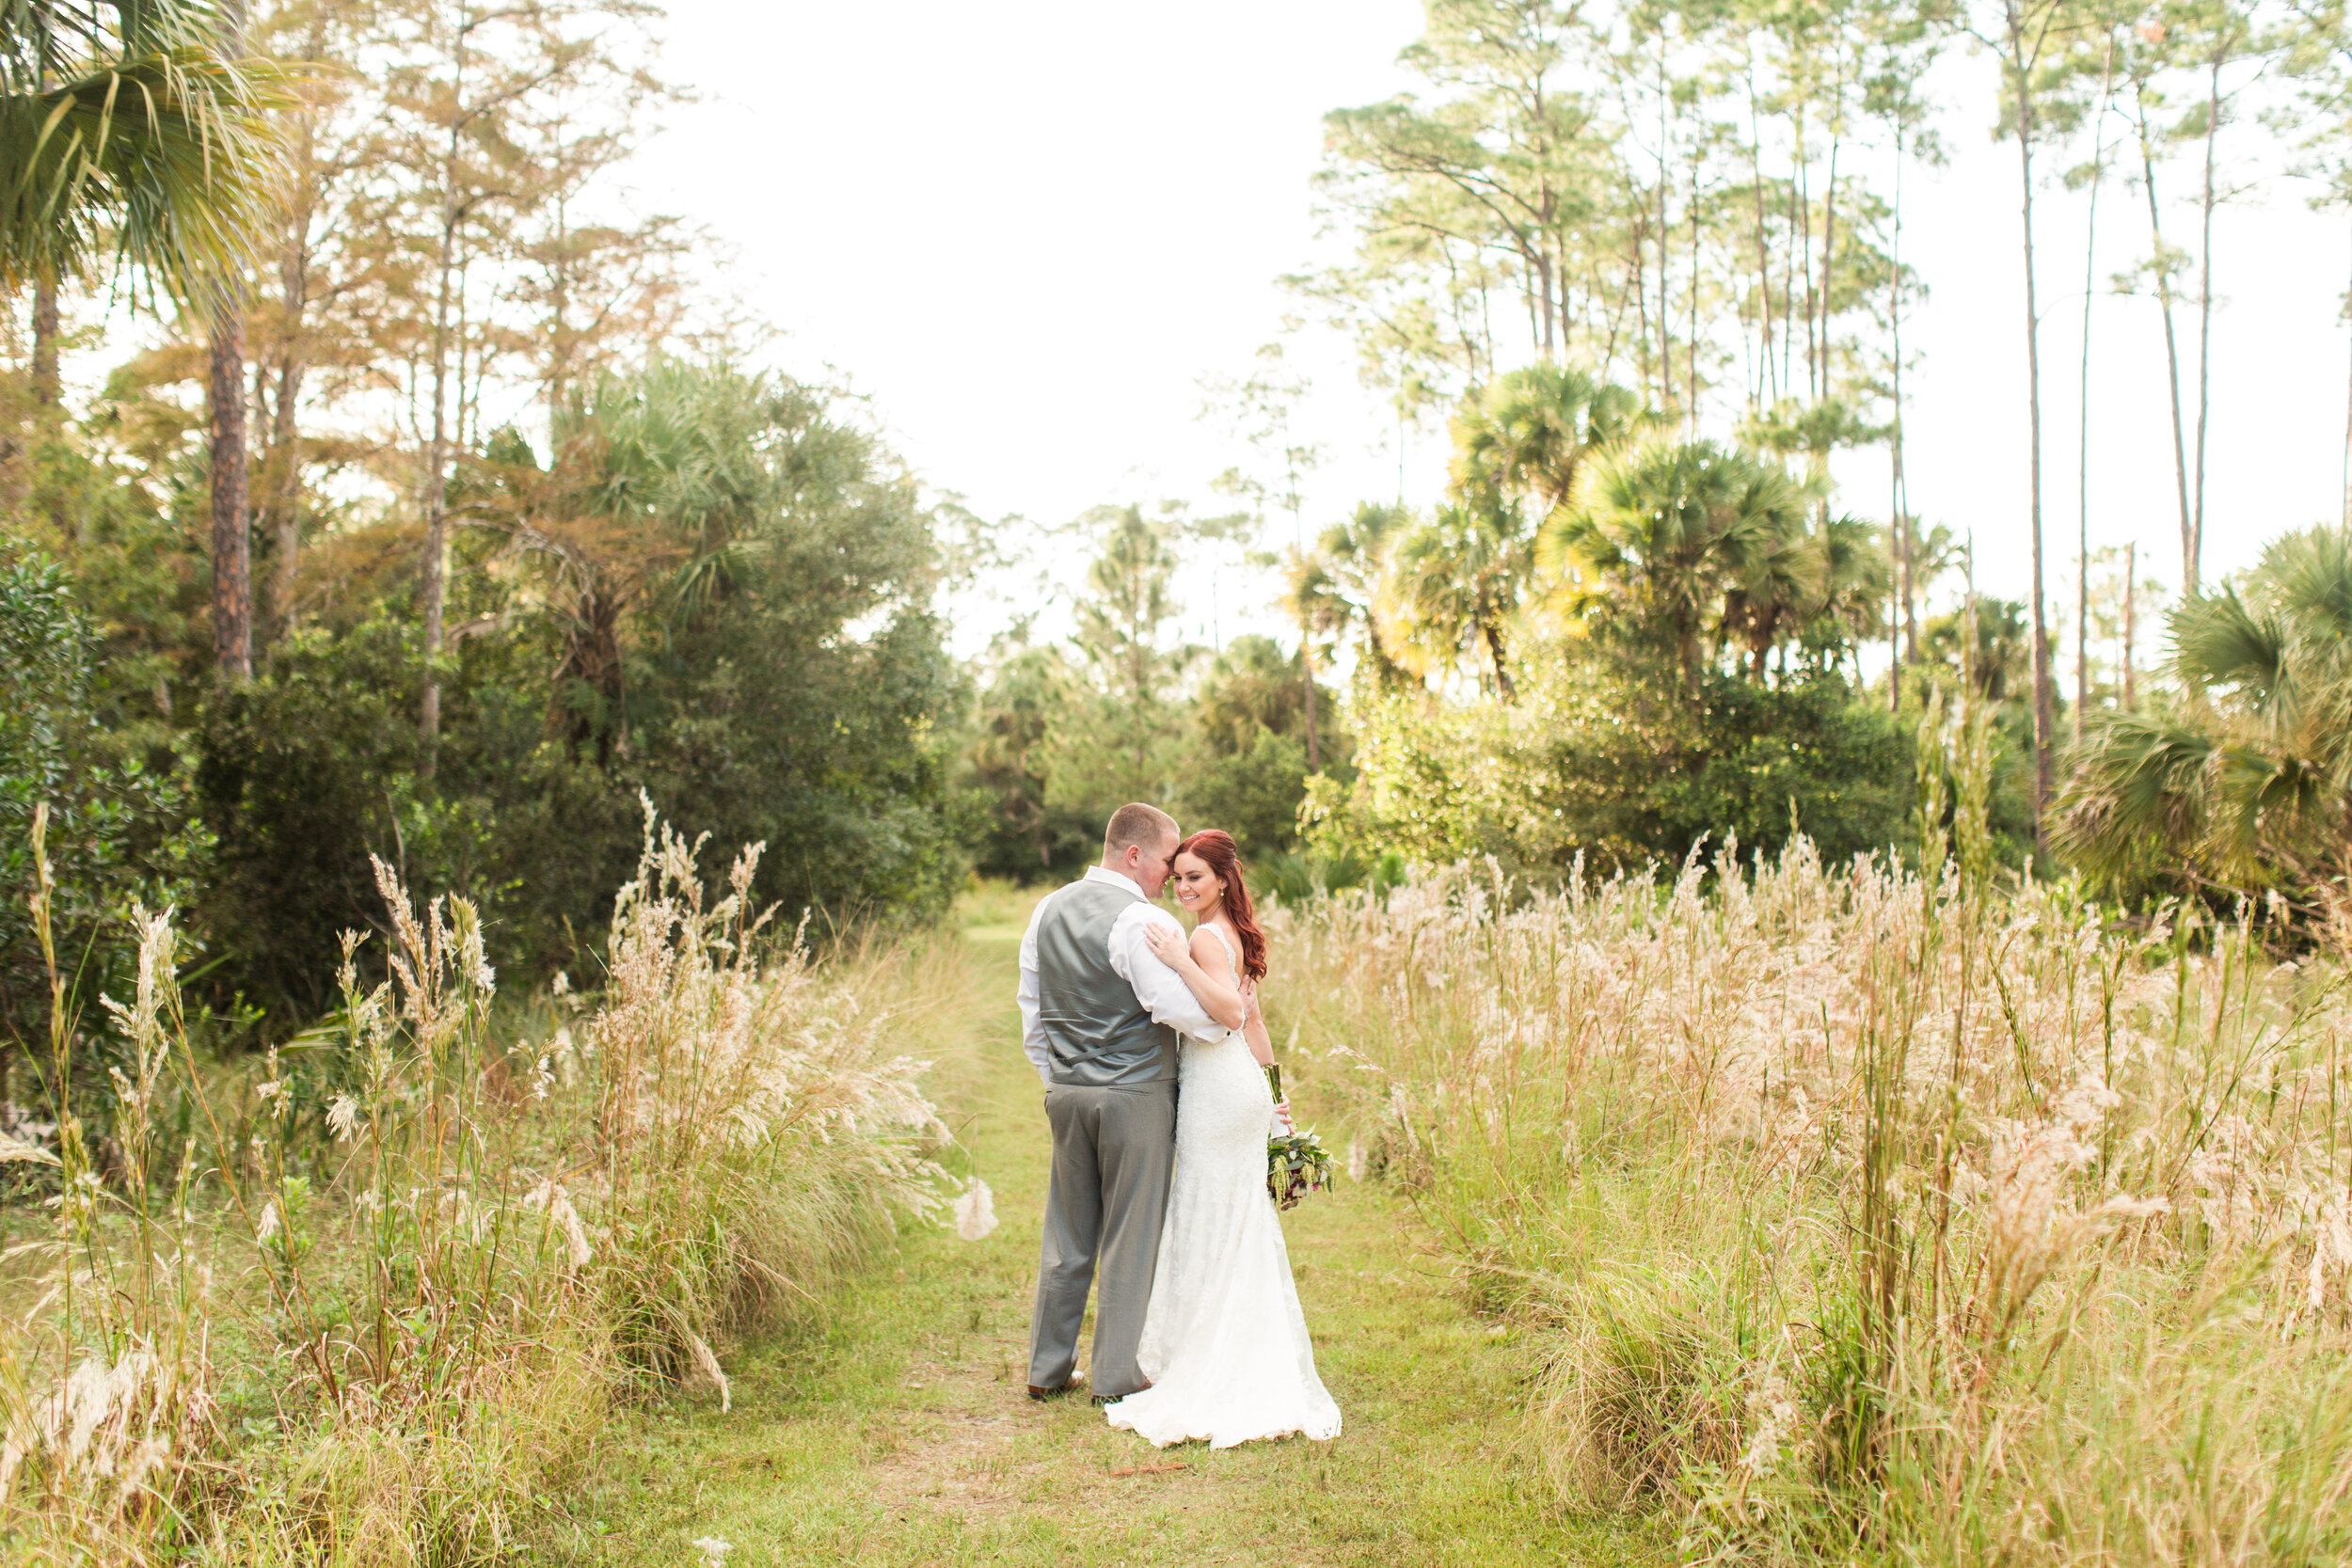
x: 975, y: 1210
x: 374, y: 1302
x: 1873, y: 1216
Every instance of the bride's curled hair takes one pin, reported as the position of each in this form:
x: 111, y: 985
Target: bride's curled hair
x: 1216, y: 850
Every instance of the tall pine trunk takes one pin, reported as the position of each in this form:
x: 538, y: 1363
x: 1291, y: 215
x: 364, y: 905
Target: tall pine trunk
x: 232, y: 540
x: 1829, y: 220
x: 2131, y: 606
x: 2171, y: 342
x: 2022, y: 64
x: 2204, y: 315
x: 47, y: 386
x: 1904, y: 644
x: 1767, y: 385
x: 436, y: 487
x: 233, y: 545
x: 45, y: 342
x: 1307, y: 662
x: 2082, y: 452
x: 283, y: 507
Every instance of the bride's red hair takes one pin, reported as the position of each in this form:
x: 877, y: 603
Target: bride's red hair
x: 1222, y: 856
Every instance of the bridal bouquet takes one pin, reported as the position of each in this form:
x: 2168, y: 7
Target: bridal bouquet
x: 1295, y: 1164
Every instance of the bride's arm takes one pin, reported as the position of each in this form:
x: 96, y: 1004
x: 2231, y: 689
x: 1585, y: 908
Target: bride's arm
x: 1254, y: 1030
x: 1217, y: 999
x: 1262, y: 1049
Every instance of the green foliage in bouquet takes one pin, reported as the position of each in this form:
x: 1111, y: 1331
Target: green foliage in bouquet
x: 1296, y: 1165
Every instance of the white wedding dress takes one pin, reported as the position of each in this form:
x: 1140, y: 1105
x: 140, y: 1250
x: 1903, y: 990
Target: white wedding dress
x: 1224, y: 1341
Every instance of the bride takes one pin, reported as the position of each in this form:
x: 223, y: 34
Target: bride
x: 1224, y: 1341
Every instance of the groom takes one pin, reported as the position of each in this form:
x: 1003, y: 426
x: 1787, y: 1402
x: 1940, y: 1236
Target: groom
x: 1099, y: 1019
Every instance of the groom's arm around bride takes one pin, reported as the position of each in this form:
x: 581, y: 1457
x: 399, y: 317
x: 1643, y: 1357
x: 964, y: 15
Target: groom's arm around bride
x: 1100, y: 1017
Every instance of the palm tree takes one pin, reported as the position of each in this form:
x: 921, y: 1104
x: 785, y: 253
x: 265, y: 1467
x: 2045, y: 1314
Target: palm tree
x: 1778, y: 575
x: 1664, y: 530
x: 1453, y: 582
x: 132, y: 127
x: 1529, y: 432
x: 1334, y: 587
x: 657, y: 497
x: 2246, y: 783
x: 124, y: 130
x: 1858, y: 578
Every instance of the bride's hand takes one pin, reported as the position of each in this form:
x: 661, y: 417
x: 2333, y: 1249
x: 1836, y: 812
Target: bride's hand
x: 1167, y: 945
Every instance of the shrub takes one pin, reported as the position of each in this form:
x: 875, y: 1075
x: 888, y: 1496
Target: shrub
x: 1604, y: 761
x: 118, y: 827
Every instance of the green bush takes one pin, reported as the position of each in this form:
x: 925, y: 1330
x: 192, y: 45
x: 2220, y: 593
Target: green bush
x: 1252, y: 794
x: 118, y: 826
x: 820, y: 747
x: 751, y: 586
x: 1604, y: 757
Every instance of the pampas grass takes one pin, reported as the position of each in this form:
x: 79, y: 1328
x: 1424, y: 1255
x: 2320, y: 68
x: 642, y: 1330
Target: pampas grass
x: 1865, y: 1215
x: 369, y: 1300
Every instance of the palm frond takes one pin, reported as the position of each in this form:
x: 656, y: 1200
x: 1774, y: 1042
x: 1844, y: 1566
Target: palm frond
x: 2218, y: 640
x: 2136, y: 796
x: 156, y: 151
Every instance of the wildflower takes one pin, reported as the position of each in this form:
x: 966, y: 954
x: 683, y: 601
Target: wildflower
x: 343, y: 1116
x: 266, y: 1226
x: 562, y: 985
x: 714, y: 1549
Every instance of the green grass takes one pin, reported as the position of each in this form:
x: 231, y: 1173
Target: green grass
x: 902, y: 1434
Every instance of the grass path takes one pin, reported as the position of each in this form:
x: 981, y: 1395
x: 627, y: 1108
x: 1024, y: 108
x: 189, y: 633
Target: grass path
x: 902, y: 1434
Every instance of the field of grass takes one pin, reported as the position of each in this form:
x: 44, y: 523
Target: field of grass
x: 1855, y: 1216
x: 370, y: 1298
x: 901, y: 1431
x: 1804, y: 1215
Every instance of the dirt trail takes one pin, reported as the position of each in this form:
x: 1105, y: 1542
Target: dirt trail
x: 903, y: 1434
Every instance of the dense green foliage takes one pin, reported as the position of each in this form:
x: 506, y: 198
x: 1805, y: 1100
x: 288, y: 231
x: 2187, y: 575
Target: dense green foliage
x: 1599, y: 764
x: 116, y: 828
x: 1631, y: 624
x: 739, y: 619
x: 714, y: 595
x: 2241, y: 781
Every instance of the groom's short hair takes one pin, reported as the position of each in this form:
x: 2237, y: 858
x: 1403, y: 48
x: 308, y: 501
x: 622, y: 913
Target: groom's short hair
x: 1139, y: 825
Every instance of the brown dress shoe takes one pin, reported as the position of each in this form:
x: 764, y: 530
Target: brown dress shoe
x: 1078, y: 1380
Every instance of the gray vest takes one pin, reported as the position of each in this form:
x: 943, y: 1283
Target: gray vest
x: 1096, y: 1033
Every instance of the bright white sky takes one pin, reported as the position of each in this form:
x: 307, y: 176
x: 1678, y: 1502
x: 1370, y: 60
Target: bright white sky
x: 1027, y: 233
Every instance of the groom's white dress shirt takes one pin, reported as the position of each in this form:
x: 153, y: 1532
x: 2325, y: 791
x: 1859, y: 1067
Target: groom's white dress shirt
x: 1160, y: 989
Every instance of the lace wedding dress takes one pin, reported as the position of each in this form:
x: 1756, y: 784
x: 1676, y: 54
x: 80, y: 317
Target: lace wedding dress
x: 1224, y: 1341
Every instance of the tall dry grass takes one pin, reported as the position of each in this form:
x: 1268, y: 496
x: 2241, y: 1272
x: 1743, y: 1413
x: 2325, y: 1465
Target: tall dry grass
x: 1867, y: 1217
x: 369, y: 1301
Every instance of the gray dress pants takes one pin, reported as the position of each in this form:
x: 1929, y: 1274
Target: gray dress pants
x: 1113, y: 1152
